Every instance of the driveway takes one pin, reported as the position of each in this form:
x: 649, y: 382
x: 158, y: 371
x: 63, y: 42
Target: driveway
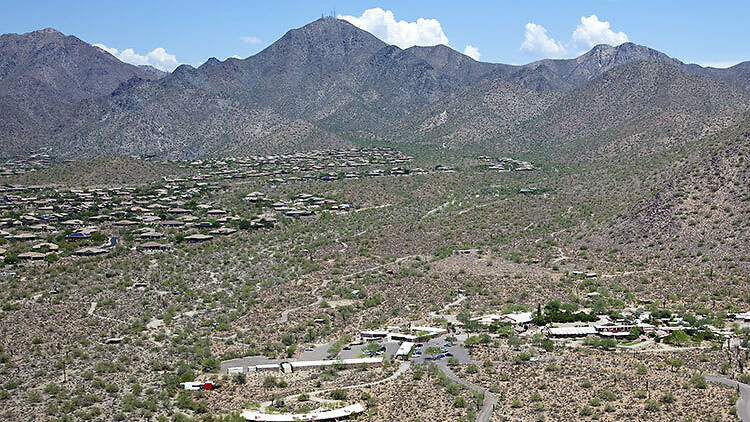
x: 490, y: 400
x: 743, y: 404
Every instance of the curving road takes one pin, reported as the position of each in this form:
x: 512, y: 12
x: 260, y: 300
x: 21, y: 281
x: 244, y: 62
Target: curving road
x: 743, y: 404
x: 400, y: 371
x: 490, y: 400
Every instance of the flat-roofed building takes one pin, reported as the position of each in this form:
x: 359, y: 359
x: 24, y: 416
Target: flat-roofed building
x: 571, y: 331
x: 404, y: 350
x: 328, y: 415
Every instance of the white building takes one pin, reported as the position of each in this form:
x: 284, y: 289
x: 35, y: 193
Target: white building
x: 329, y: 415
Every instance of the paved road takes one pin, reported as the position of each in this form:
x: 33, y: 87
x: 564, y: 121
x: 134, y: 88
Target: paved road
x: 490, y: 400
x: 403, y: 367
x: 400, y: 371
x: 743, y: 404
x: 313, y: 394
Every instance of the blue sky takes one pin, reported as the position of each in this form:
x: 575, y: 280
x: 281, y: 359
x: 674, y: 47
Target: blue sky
x: 508, y: 32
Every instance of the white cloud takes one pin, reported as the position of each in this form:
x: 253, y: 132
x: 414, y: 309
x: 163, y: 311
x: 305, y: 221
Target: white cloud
x: 250, y: 40
x: 234, y: 56
x: 383, y: 24
x: 158, y: 57
x: 536, y: 41
x: 591, y: 31
x: 472, y: 52
x: 720, y: 64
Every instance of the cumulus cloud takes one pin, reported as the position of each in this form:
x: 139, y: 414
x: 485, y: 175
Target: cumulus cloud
x: 383, y: 24
x: 250, y: 40
x: 591, y: 31
x: 472, y: 52
x: 536, y: 41
x: 158, y: 57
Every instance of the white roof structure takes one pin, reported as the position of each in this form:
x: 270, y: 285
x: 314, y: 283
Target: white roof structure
x: 404, y: 349
x: 374, y: 333
x: 266, y: 366
x: 513, y: 318
x: 317, y: 363
x: 613, y: 333
x: 519, y: 317
x: 254, y: 415
x: 194, y: 385
x: 487, y: 319
x: 432, y: 330
x: 571, y: 331
x: 308, y: 364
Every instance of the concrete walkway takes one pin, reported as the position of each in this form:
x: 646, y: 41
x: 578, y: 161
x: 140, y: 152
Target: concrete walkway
x: 743, y: 403
x: 490, y: 400
x: 400, y: 371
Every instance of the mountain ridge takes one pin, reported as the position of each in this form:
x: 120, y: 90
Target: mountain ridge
x: 327, y: 79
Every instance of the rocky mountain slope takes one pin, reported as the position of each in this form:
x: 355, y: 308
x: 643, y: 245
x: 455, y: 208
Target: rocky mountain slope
x: 330, y: 79
x: 638, y: 107
x: 44, y: 73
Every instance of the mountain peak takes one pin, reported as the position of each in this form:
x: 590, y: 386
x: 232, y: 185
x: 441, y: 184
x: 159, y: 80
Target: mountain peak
x: 49, y: 31
x: 625, y: 52
x: 327, y: 42
x: 328, y: 24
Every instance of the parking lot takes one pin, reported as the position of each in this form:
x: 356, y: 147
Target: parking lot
x: 458, y: 352
x: 320, y: 352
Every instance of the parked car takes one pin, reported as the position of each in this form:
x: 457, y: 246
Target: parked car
x: 347, y: 348
x: 308, y: 349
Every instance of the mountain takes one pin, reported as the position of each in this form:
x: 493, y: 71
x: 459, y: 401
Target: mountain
x: 473, y: 115
x: 337, y: 75
x: 640, y: 106
x: 43, y: 74
x: 600, y: 59
x: 328, y: 77
x: 329, y: 81
x: 152, y: 71
x: 738, y: 74
x: 151, y: 119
